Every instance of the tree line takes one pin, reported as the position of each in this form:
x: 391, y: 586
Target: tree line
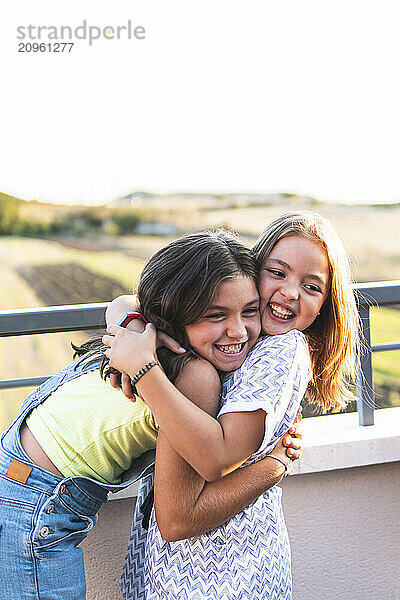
x: 20, y: 217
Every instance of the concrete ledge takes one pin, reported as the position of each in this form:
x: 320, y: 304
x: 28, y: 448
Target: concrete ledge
x: 338, y: 442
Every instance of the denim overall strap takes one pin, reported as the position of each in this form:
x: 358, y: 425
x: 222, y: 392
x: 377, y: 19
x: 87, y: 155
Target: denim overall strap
x: 71, y: 371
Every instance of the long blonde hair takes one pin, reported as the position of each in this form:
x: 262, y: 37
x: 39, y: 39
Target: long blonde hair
x: 334, y: 335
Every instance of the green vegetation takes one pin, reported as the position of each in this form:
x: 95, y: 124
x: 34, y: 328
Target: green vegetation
x: 13, y: 222
x: 125, y: 221
x: 8, y: 213
x: 19, y: 217
x: 385, y: 327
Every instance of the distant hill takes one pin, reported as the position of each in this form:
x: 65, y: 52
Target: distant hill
x: 210, y: 200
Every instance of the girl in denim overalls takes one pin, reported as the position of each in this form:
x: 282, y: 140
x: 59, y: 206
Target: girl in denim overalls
x: 43, y: 517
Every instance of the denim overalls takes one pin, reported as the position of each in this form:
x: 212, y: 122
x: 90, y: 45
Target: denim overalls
x: 43, y: 518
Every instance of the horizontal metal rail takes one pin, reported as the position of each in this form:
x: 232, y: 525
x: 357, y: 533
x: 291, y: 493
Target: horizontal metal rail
x: 386, y: 347
x: 379, y: 293
x: 91, y: 316
x: 74, y: 317
x: 8, y: 384
x: 52, y: 319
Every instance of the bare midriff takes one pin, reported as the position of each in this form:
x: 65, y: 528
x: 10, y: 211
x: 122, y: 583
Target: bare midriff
x: 35, y: 451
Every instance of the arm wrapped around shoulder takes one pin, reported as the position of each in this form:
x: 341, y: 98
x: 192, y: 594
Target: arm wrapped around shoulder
x: 274, y: 378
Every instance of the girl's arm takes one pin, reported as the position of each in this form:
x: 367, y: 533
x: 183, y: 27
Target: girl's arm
x: 213, y: 448
x: 185, y: 504
x: 130, y: 303
x: 114, y: 312
x: 119, y: 306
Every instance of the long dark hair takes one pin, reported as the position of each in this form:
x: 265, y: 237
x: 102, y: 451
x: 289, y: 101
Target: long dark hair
x: 178, y: 283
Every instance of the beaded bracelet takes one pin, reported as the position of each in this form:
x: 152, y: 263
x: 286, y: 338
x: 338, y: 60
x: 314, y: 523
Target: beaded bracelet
x: 143, y: 370
x: 279, y: 460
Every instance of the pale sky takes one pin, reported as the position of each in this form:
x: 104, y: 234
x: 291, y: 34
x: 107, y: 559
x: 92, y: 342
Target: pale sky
x: 220, y: 96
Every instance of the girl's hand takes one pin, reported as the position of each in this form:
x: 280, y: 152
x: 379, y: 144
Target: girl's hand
x: 289, y: 447
x: 168, y: 342
x: 126, y: 385
x: 299, y: 415
x: 130, y: 303
x: 128, y: 351
x: 292, y: 440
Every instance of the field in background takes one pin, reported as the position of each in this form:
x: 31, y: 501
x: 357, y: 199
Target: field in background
x: 29, y: 356
x: 370, y: 233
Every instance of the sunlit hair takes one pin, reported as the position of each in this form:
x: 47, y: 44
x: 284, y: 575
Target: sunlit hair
x: 333, y: 336
x: 178, y: 283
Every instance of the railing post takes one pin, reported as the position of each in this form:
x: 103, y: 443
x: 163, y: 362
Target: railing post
x: 365, y: 393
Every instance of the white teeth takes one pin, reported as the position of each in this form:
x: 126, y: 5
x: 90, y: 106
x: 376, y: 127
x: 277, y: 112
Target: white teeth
x: 279, y: 311
x: 232, y: 349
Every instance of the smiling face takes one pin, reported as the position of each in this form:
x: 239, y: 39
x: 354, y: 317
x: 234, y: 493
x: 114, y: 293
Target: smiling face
x: 293, y: 284
x: 231, y: 325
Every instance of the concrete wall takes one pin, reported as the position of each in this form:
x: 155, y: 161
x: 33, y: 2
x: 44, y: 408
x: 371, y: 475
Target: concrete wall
x: 105, y: 550
x: 343, y: 525
x: 344, y: 530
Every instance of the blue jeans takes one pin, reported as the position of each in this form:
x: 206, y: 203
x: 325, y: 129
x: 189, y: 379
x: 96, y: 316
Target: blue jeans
x: 42, y: 521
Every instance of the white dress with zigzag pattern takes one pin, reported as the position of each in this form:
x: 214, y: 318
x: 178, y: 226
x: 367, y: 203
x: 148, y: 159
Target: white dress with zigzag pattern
x: 248, y: 557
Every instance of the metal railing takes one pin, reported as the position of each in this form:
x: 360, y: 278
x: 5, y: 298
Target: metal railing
x: 52, y: 319
x: 91, y: 316
x: 383, y: 293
